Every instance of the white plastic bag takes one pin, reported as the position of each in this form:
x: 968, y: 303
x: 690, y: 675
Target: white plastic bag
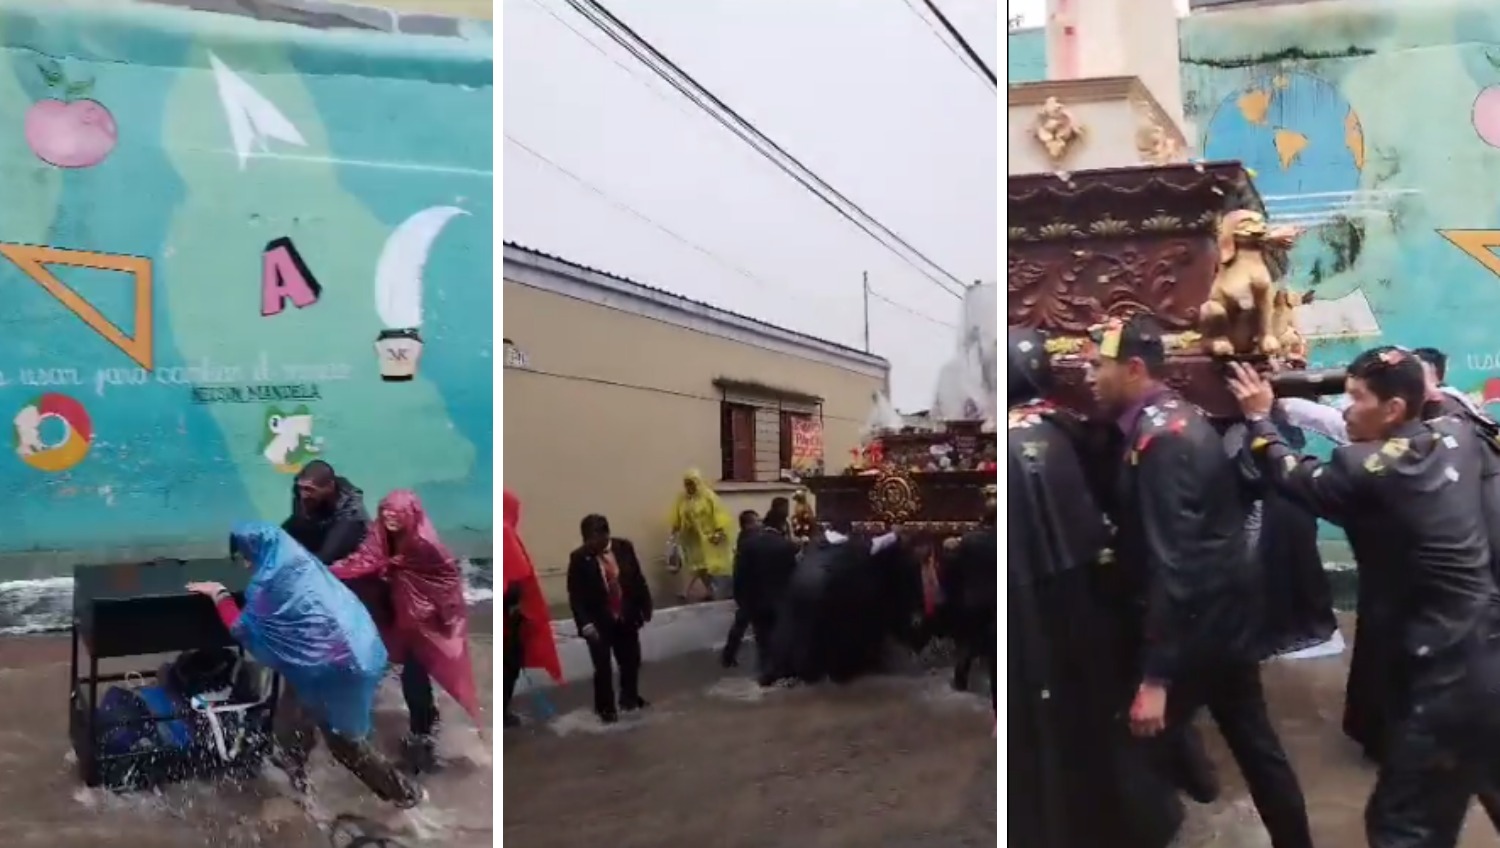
x: 674, y: 555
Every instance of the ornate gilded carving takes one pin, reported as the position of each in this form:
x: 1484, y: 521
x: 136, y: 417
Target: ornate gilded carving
x: 894, y: 497
x: 1237, y: 317
x: 1156, y: 145
x: 1179, y: 199
x: 1066, y: 290
x: 1056, y: 129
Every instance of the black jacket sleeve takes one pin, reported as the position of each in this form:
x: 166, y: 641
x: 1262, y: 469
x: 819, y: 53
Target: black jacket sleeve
x: 578, y: 590
x: 1325, y: 488
x: 1166, y: 471
x: 741, y: 578
x: 634, y: 580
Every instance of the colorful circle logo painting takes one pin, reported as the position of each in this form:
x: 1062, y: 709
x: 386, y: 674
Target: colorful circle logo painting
x: 52, y: 451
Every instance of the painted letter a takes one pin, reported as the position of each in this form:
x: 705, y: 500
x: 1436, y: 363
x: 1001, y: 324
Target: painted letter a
x: 285, y: 276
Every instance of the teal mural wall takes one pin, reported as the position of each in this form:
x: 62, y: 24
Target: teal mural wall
x: 1026, y: 55
x: 1375, y: 126
x: 207, y: 222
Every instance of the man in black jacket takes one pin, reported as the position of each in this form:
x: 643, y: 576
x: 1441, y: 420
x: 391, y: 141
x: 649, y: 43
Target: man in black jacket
x: 763, y: 564
x: 975, y: 567
x: 730, y: 657
x: 611, y: 603
x: 1409, y: 494
x: 1068, y: 751
x: 328, y: 513
x: 1185, y: 562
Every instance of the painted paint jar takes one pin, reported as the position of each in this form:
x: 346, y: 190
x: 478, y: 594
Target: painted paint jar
x: 398, y: 351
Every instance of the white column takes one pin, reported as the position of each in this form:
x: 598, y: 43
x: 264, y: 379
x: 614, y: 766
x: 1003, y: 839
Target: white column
x: 1115, y: 38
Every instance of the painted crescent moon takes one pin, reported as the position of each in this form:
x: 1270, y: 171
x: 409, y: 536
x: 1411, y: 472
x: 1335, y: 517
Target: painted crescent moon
x: 398, y: 274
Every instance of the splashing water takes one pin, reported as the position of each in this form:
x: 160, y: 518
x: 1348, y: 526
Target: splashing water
x: 585, y: 722
x: 46, y: 605
x: 740, y: 689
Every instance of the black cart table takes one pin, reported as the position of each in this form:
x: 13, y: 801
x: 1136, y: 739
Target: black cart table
x: 122, y: 611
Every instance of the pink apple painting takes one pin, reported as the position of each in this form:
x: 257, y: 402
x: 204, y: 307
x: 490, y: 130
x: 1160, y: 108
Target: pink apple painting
x: 1487, y: 115
x: 74, y: 132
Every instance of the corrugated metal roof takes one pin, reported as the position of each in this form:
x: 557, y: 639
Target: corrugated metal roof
x: 689, y: 301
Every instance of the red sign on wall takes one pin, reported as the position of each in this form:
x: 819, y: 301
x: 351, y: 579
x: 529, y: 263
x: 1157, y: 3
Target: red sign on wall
x: 807, y: 444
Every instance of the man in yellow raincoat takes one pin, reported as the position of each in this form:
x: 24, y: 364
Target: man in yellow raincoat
x: 705, y: 536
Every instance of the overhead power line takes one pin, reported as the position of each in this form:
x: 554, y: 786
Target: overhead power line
x: 912, y: 312
x: 642, y: 216
x: 962, y: 42
x: 627, y: 38
x: 936, y: 33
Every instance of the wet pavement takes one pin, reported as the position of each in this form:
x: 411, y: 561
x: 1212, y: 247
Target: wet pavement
x: 893, y: 761
x: 43, y: 804
x: 1306, y: 698
x: 899, y: 761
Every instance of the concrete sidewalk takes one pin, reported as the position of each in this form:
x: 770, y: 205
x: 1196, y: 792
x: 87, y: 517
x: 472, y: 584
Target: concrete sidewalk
x: 673, y: 632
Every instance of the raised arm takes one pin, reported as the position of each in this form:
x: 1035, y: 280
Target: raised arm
x: 1324, y: 488
x: 1315, y: 418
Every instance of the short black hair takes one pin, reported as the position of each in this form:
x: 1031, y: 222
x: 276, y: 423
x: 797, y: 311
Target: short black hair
x: 317, y: 471
x: 592, y: 525
x: 1436, y: 358
x: 748, y: 518
x: 1392, y: 372
x: 1141, y: 337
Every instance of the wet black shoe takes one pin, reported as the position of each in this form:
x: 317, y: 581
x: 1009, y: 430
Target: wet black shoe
x: 728, y: 661
x: 634, y: 704
x: 419, y: 754
x: 609, y: 718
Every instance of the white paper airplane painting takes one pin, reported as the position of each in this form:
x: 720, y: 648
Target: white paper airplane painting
x: 253, y: 119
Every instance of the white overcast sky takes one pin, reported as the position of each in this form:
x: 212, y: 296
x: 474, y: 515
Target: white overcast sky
x: 862, y: 91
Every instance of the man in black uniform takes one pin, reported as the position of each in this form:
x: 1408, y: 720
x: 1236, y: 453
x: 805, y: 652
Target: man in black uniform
x: 1077, y: 779
x: 1184, y: 555
x: 764, y: 559
x: 973, y: 569
x: 1408, y: 494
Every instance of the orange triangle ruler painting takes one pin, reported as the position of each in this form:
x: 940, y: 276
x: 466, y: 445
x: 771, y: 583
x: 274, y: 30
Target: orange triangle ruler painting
x: 35, y: 261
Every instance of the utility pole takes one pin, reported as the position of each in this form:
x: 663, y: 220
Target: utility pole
x: 866, y: 278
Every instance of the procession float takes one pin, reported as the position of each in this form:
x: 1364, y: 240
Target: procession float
x: 1107, y: 217
x: 929, y: 476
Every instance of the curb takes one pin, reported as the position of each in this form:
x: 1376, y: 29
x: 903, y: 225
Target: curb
x: 672, y: 632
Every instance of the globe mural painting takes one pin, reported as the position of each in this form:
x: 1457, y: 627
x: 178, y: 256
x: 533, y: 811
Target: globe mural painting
x: 1299, y: 135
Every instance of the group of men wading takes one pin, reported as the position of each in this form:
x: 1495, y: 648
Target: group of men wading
x: 1142, y: 577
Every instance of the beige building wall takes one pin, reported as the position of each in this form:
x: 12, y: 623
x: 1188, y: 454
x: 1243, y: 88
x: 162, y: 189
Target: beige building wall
x: 612, y: 407
x: 474, y: 10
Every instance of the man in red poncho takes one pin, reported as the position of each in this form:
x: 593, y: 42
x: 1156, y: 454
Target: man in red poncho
x: 428, y: 631
x: 528, y: 639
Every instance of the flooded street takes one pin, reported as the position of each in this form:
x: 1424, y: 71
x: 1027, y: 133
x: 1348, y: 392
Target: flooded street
x: 43, y: 804
x: 896, y: 761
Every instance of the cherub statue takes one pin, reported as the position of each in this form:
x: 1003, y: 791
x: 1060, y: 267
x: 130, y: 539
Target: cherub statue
x: 1284, y: 324
x: 1237, y: 317
x: 1056, y: 128
x: 803, y: 523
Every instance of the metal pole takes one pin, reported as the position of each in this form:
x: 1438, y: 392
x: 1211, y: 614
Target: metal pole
x: 866, y: 286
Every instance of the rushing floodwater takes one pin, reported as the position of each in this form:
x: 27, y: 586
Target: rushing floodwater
x: 46, y: 605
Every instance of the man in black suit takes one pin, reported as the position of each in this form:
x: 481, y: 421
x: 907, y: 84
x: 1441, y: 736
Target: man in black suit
x: 763, y: 565
x: 1184, y: 567
x: 611, y: 602
x: 974, y: 578
x: 730, y: 658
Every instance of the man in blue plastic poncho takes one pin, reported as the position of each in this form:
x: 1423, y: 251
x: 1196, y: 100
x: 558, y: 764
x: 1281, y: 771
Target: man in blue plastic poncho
x: 300, y: 621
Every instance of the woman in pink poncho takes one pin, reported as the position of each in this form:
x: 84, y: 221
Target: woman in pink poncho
x: 428, y: 632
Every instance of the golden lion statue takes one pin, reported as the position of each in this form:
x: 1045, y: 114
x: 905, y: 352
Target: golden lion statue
x: 1239, y: 314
